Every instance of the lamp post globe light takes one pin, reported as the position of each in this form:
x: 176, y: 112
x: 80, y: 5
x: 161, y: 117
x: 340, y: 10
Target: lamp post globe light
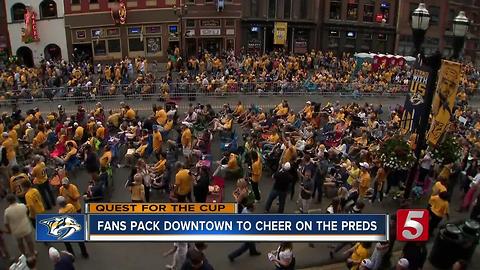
x: 420, y: 24
x: 460, y: 30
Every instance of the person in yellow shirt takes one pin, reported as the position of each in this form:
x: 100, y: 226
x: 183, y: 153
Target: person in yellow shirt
x: 168, y: 125
x: 16, y: 183
x: 257, y: 168
x: 106, y: 157
x: 186, y: 141
x: 365, y: 179
x: 12, y: 133
x: 70, y: 192
x: 223, y: 124
x: 137, y: 189
x: 157, y: 141
x: 160, y: 166
x: 161, y: 116
x: 359, y: 252
x: 239, y: 109
x: 64, y: 207
x: 100, y: 133
x: 439, y: 208
x: 33, y: 200
x: 439, y: 186
x: 8, y: 145
x: 40, y: 139
x: 183, y: 183
x: 289, y: 154
x: 130, y: 113
x: 39, y: 174
x: 354, y: 173
x: 79, y: 130
x: 282, y: 111
x: 114, y: 119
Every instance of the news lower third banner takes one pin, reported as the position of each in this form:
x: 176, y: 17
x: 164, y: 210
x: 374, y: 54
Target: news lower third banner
x: 211, y: 227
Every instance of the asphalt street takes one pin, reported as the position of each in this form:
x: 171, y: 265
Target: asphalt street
x: 149, y: 255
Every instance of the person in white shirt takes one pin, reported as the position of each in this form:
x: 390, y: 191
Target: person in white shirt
x: 425, y: 165
x: 18, y: 225
x: 179, y: 251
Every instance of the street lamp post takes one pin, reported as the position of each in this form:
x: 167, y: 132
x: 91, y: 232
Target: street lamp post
x: 180, y: 12
x: 420, y: 23
x: 460, y: 29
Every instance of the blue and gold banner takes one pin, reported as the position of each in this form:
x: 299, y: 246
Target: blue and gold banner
x: 415, y: 106
x: 212, y: 227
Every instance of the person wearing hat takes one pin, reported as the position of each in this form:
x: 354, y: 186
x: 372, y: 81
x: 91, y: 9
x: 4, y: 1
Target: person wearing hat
x: 358, y: 253
x: 364, y: 178
x: 402, y: 264
x: 282, y: 181
x: 61, y: 259
x: 100, y: 132
x: 10, y: 149
x: 68, y: 208
x: 70, y: 192
x: 40, y: 180
x: 78, y: 135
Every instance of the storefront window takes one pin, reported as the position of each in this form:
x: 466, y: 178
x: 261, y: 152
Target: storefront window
x: 114, y: 46
x: 368, y: 11
x: 335, y: 10
x: 304, y: 9
x: 230, y: 23
x: 18, y: 11
x: 135, y: 45
x: 154, y: 45
x: 385, y: 11
x: 352, y: 10
x: 333, y: 42
x: 99, y: 47
x: 190, y: 23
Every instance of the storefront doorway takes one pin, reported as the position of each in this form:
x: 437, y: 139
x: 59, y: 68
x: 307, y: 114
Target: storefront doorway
x: 52, y: 52
x: 212, y: 45
x: 191, y: 47
x: 25, y: 56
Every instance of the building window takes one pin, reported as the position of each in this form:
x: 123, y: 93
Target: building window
x: 135, y: 45
x: 352, y: 10
x: 154, y: 45
x: 333, y: 33
x: 81, y: 34
x: 230, y: 23
x: 75, y: 2
x: 385, y: 11
x: 99, y: 48
x: 367, y: 36
x: 368, y: 11
x: 351, y: 34
x: 18, y: 11
x: 190, y: 23
x: 272, y: 8
x: 208, y: 1
x: 48, y: 9
x: 434, y: 14
x: 134, y: 30
x: 114, y: 46
x: 304, y: 9
x: 190, y: 1
x: 253, y: 8
x: 210, y: 23
x: 93, y: 1
x: 335, y: 10
x: 382, y: 36
x: 96, y: 33
x: 287, y: 8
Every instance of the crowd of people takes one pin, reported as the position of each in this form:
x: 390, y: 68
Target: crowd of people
x: 323, y: 152
x: 276, y: 72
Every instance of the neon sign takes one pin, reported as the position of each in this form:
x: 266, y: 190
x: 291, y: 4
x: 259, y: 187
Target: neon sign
x: 30, y: 31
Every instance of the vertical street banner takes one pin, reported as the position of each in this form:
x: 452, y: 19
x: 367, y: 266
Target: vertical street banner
x: 445, y: 95
x: 280, y: 33
x: 415, y: 106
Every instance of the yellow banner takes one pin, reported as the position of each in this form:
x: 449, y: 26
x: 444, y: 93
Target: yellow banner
x: 280, y: 33
x: 445, y: 95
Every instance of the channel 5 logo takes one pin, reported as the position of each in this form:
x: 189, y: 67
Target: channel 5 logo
x: 412, y: 225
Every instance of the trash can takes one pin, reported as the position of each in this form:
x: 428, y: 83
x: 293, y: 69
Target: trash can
x: 447, y: 246
x: 471, y: 236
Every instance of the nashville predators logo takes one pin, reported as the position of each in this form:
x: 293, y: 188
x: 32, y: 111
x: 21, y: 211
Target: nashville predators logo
x: 61, y: 227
